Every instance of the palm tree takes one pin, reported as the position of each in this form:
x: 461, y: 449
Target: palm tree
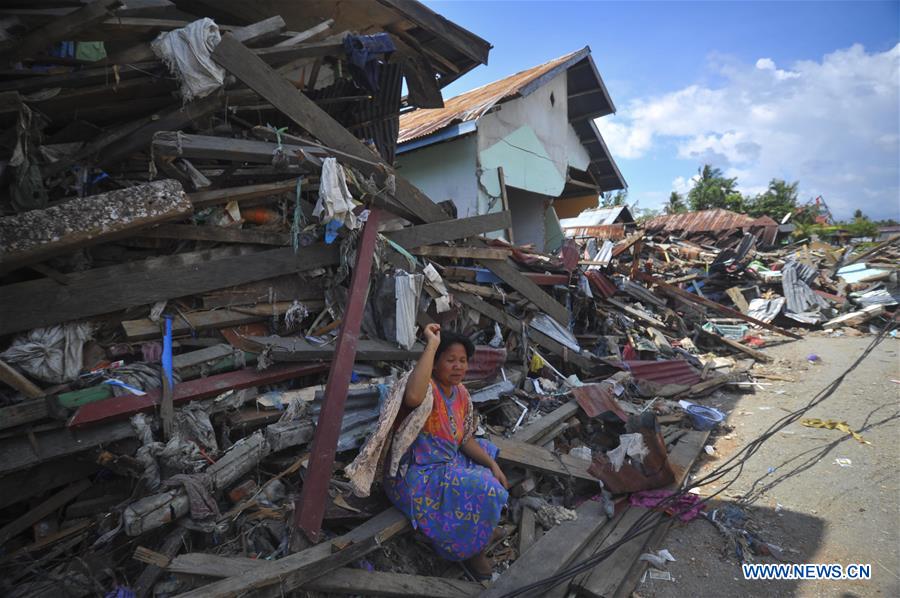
x: 675, y: 205
x: 713, y: 190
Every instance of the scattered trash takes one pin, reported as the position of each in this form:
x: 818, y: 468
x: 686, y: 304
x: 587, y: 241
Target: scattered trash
x: 833, y: 424
x: 843, y: 462
x: 659, y: 559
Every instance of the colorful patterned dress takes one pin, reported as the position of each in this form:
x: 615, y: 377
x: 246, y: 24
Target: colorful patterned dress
x: 454, y: 501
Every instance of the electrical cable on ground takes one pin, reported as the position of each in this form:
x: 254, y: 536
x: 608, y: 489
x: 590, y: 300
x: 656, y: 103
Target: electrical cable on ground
x: 654, y: 518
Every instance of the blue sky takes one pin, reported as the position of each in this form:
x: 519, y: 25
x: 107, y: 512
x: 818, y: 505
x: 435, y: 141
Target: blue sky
x: 806, y: 91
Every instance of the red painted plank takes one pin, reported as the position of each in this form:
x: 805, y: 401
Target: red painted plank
x: 203, y: 388
x: 309, y: 508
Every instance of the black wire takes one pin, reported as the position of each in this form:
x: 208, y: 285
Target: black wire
x: 654, y: 518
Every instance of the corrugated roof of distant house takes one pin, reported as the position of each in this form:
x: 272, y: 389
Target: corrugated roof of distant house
x: 588, y: 99
x: 703, y: 221
x: 717, y: 220
x: 597, y: 217
x: 473, y: 104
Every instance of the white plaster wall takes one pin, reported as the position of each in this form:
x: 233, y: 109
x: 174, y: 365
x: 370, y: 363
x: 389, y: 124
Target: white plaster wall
x: 501, y: 135
x: 445, y: 171
x: 527, y: 210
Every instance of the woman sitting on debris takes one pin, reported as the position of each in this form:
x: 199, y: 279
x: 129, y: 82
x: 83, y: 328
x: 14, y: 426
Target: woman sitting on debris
x: 440, y: 476
x: 453, y: 489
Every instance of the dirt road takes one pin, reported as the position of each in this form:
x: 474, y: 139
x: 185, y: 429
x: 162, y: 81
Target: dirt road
x: 818, y: 511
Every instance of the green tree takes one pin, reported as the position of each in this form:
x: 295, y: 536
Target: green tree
x: 613, y: 200
x: 861, y: 226
x: 779, y: 199
x: 675, y: 205
x: 714, y: 190
x: 643, y: 215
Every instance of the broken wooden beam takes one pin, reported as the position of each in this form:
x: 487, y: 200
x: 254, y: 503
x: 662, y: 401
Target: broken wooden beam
x: 219, y: 234
x: 540, y: 459
x: 22, y: 413
x: 179, y: 145
x: 24, y: 451
x: 309, y: 507
x: 127, y: 405
x: 44, y: 509
x: 40, y: 234
x: 276, y: 578
x: 278, y: 91
x: 36, y: 303
x: 204, y: 199
x: 757, y: 355
x: 514, y: 324
x: 62, y: 28
x: 692, y: 298
x: 537, y: 429
x: 474, y: 253
x: 550, y: 552
x: 170, y: 547
x: 452, y: 230
x: 510, y: 274
x: 292, y: 349
x: 11, y: 376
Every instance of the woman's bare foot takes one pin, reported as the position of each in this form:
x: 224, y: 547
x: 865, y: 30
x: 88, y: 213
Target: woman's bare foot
x: 481, y: 565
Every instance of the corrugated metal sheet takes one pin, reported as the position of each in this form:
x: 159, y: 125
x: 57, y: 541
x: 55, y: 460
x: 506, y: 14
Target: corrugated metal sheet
x: 473, y: 104
x: 596, y: 217
x: 601, y: 283
x: 376, y: 119
x: 795, y: 288
x: 486, y: 362
x: 596, y: 399
x: 713, y: 221
x: 703, y: 221
x: 610, y: 232
x: 673, y: 371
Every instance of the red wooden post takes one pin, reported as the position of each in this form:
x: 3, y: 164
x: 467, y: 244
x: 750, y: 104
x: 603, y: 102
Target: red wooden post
x: 310, y: 506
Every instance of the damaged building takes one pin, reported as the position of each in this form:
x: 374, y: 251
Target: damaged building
x: 527, y: 143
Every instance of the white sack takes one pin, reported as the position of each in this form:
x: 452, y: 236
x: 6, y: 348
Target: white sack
x: 52, y: 354
x: 187, y: 52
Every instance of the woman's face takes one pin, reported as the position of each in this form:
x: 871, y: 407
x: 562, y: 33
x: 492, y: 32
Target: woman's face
x: 451, y: 366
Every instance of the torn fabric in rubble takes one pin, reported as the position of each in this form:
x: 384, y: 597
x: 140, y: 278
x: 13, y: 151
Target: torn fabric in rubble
x: 187, y: 52
x: 335, y: 203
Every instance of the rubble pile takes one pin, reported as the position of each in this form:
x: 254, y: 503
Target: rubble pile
x: 207, y: 258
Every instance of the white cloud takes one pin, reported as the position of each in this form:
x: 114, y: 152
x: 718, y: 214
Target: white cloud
x: 682, y: 185
x: 831, y: 124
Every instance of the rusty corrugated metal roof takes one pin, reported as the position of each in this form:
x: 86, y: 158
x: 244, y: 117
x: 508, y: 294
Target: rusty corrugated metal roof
x: 473, y: 104
x: 596, y: 399
x: 611, y: 232
x: 673, y: 371
x: 703, y: 221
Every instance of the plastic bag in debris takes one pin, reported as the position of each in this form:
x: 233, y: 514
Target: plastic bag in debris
x: 407, y: 288
x: 192, y: 422
x: 434, y: 280
x: 187, y: 53
x: 630, y: 445
x: 335, y: 202
x: 52, y: 354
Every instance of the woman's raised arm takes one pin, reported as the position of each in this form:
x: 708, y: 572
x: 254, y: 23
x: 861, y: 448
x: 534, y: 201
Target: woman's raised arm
x: 418, y: 382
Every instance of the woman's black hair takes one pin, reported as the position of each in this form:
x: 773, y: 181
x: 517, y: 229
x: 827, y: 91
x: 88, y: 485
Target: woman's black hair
x: 449, y: 339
